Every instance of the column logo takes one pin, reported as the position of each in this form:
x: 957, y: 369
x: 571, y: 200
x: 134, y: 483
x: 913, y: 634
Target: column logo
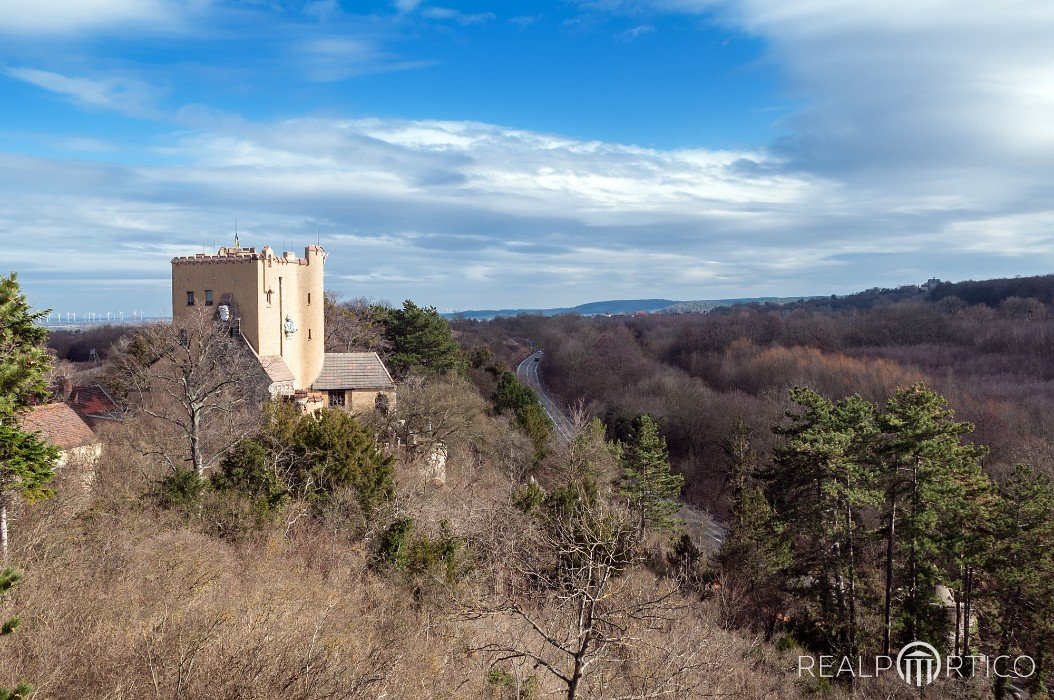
x: 918, y: 664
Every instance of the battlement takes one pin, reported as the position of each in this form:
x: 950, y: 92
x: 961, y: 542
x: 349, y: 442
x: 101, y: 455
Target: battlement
x: 238, y: 255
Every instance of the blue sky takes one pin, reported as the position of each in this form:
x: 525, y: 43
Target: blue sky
x: 473, y: 154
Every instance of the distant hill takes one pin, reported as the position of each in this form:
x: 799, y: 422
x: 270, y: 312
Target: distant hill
x: 994, y: 292
x: 685, y: 307
x: 991, y: 292
x: 615, y: 307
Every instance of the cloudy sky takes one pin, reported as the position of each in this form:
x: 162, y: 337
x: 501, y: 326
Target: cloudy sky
x: 527, y: 153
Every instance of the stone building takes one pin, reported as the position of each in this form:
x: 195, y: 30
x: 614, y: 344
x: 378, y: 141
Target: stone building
x: 277, y: 303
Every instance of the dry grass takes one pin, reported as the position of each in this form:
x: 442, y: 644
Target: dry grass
x: 123, y: 600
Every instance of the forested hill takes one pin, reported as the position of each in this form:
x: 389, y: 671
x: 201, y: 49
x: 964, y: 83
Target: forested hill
x: 995, y: 291
x: 984, y: 344
x: 991, y: 292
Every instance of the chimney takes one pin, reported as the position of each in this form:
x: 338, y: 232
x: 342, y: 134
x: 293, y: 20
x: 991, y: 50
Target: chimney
x: 66, y: 387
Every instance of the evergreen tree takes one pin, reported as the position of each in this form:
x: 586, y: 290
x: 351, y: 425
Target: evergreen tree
x: 965, y: 537
x: 341, y: 452
x: 8, y: 579
x: 529, y: 414
x: 1019, y: 571
x: 420, y: 339
x: 926, y: 466
x: 24, y: 360
x: 757, y: 550
x: 250, y: 470
x: 820, y: 481
x: 26, y: 462
x: 647, y: 483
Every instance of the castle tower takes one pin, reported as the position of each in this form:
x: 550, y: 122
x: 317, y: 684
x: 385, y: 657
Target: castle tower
x: 277, y: 302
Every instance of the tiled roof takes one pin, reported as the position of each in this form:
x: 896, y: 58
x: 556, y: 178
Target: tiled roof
x: 92, y: 401
x: 353, y: 370
x: 276, y: 368
x: 60, y: 425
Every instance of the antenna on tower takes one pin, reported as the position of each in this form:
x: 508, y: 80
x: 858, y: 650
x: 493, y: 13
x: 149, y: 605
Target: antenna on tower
x: 237, y: 244
x: 318, y: 237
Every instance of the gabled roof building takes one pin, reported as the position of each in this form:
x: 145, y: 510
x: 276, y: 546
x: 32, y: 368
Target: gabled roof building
x: 63, y: 427
x: 277, y: 304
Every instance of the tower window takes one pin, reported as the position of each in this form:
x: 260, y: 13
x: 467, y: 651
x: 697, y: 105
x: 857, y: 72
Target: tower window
x: 208, y: 297
x: 309, y: 334
x: 190, y: 298
x: 309, y: 298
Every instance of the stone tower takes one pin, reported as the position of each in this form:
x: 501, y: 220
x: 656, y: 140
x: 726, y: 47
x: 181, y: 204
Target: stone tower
x: 276, y: 301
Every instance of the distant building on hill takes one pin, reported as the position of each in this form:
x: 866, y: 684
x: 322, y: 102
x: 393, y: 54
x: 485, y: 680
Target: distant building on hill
x: 277, y: 304
x: 930, y: 284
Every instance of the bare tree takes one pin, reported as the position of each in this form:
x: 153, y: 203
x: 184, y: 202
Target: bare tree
x: 198, y: 383
x: 445, y: 410
x: 585, y: 607
x: 357, y: 324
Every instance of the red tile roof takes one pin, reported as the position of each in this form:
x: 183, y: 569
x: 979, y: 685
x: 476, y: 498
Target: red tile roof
x: 60, y: 425
x: 92, y: 401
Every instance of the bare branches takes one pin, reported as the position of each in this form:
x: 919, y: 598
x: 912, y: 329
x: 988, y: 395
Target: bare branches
x: 354, y: 325
x: 583, y: 606
x: 197, y: 384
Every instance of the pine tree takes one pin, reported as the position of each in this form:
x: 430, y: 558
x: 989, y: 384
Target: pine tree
x: 820, y: 481
x: 420, y: 339
x: 1019, y: 571
x: 530, y: 416
x: 26, y: 462
x: 647, y: 482
x: 965, y: 537
x: 757, y: 550
x: 24, y: 361
x: 8, y: 579
x: 926, y: 464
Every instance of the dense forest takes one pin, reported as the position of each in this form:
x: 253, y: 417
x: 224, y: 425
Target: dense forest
x: 701, y: 373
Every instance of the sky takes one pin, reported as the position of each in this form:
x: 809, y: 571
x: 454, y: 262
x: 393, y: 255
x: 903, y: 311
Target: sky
x: 526, y: 153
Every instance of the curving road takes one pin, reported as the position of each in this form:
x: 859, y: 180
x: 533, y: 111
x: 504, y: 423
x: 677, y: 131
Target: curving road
x: 527, y: 372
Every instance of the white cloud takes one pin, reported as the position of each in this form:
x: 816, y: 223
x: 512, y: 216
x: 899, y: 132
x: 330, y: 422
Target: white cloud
x: 54, y: 17
x: 446, y: 13
x: 636, y: 32
x: 524, y: 20
x: 124, y: 95
x: 924, y: 148
x: 454, y: 213
x: 334, y: 58
x: 322, y: 9
x: 907, y: 89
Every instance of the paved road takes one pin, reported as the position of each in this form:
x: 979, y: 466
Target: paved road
x: 527, y: 372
